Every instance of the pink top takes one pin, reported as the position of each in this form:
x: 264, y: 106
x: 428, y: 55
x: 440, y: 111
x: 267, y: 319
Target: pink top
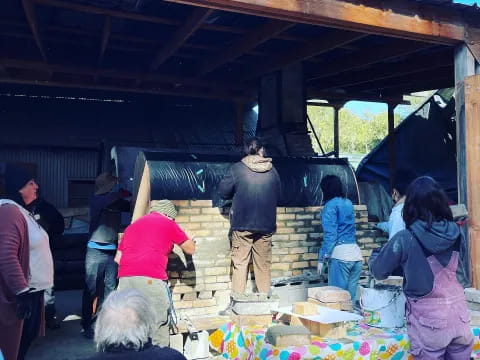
x: 146, y: 244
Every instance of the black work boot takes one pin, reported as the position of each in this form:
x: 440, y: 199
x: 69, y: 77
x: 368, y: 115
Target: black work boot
x: 51, y: 321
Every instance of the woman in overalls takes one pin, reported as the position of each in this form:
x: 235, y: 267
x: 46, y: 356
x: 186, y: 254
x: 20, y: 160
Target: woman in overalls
x: 432, y: 253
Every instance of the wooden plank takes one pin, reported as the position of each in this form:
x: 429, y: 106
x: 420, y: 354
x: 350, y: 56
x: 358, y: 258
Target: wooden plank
x: 312, y: 48
x: 387, y: 71
x: 410, y: 20
x: 107, y: 26
x: 336, y: 130
x: 28, y: 7
x: 464, y: 66
x: 472, y: 139
x: 368, y: 57
x: 109, y: 73
x: 200, y: 93
x: 391, y: 144
x: 192, y: 23
x: 246, y: 43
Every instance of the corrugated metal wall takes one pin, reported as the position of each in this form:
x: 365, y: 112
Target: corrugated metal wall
x: 55, y: 168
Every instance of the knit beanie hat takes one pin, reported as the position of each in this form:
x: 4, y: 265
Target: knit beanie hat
x: 16, y: 177
x: 165, y: 207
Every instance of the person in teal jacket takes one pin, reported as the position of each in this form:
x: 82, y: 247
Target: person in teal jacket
x: 339, y: 248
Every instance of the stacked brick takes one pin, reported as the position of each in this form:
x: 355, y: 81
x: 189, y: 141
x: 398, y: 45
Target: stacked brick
x: 201, y: 285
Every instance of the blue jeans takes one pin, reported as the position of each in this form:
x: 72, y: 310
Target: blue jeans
x: 100, y: 281
x: 345, y: 275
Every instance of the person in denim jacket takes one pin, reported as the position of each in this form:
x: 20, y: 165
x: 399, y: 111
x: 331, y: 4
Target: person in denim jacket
x: 339, y: 248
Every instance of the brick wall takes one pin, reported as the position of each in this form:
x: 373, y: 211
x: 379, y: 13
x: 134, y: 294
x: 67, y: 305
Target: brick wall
x: 201, y: 285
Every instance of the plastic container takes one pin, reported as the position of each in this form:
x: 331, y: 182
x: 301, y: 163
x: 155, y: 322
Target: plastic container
x: 383, y: 306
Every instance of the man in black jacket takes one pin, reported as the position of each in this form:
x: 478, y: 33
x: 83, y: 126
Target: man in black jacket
x: 254, y: 186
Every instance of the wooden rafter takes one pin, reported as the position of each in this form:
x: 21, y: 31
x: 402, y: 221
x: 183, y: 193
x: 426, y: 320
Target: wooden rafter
x: 107, y: 26
x: 417, y: 80
x: 244, y: 45
x: 149, y: 18
x: 201, y: 93
x: 192, y: 23
x: 412, y: 20
x: 28, y: 7
x: 388, y: 70
x: 368, y: 57
x: 303, y: 52
x: 116, y: 74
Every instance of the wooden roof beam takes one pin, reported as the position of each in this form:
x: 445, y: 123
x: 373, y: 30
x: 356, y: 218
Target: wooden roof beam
x: 244, y: 44
x: 407, y: 80
x: 312, y: 48
x: 192, y: 23
x: 393, y: 50
x: 93, y: 86
x: 116, y: 74
x: 107, y: 27
x: 345, y: 97
x: 389, y: 70
x: 28, y: 7
x: 406, y: 19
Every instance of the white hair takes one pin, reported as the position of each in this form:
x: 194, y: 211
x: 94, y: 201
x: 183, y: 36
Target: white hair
x: 126, y: 319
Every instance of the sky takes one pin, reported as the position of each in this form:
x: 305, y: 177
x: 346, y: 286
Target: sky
x: 360, y: 108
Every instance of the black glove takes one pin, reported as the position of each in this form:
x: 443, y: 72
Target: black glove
x: 24, y: 305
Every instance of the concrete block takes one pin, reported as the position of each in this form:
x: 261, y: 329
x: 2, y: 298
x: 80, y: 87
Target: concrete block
x: 204, y: 303
x: 315, y: 235
x: 305, y: 230
x: 277, y: 238
x: 474, y: 318
x: 473, y: 306
x: 472, y: 295
x: 310, y: 256
x: 210, y: 279
x: 201, y: 203
x: 313, y: 209
x: 189, y: 226
x: 285, y: 231
x: 217, y: 286
x: 181, y: 203
x: 183, y: 304
x: 212, y: 211
x: 200, y: 218
x: 205, y: 294
x: 295, y: 223
x: 212, y: 225
x: 279, y: 251
x: 220, y: 270
x: 188, y: 211
x: 280, y: 266
x: 280, y: 210
x: 299, y: 250
x: 285, y: 216
x: 298, y: 237
x: 300, y: 265
x: 304, y: 216
x: 305, y: 308
x: 294, y: 209
x: 189, y: 296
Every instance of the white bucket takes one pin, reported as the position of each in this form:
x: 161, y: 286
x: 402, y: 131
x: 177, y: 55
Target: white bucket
x: 383, y: 306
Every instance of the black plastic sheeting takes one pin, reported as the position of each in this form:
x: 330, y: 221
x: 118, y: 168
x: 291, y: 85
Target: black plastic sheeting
x: 196, y: 176
x: 424, y: 142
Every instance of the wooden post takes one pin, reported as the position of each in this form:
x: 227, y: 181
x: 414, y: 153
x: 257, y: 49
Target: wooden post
x: 464, y: 66
x: 336, y: 131
x: 472, y: 133
x: 391, y: 143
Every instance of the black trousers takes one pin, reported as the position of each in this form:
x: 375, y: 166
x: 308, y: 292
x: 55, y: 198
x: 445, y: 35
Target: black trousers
x: 31, y: 326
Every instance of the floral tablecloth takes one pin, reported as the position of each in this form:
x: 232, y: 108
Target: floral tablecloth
x: 363, y: 343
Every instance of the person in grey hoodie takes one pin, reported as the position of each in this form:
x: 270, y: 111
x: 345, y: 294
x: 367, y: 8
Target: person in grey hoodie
x: 253, y: 185
x: 432, y: 253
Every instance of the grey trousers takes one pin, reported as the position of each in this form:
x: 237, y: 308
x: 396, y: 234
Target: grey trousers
x: 155, y: 291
